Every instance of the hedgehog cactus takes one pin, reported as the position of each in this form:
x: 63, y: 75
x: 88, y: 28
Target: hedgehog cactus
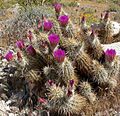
x: 55, y: 93
x: 112, y: 83
x: 71, y: 45
x: 86, y: 90
x: 97, y: 48
x: 108, y: 30
x: 93, y: 46
x: 83, y: 63
x: 65, y: 102
x: 66, y: 72
x: 66, y: 64
x: 113, y: 70
x: 94, y: 70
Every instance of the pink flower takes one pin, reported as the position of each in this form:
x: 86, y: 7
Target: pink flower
x: 59, y: 55
x: 110, y: 54
x: 54, y: 39
x: 64, y: 19
x: 9, y: 56
x: 57, y: 7
x: 47, y: 25
x: 20, y: 44
x: 31, y: 51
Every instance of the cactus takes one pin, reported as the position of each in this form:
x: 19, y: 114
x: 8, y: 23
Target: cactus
x: 86, y: 90
x: 67, y: 63
x: 99, y: 73
x: 71, y: 45
x: 112, y: 83
x: 84, y: 63
x: 36, y: 62
x: 66, y: 72
x: 97, y: 49
x: 93, y: 46
x: 65, y: 103
x: 94, y: 70
x: 108, y: 30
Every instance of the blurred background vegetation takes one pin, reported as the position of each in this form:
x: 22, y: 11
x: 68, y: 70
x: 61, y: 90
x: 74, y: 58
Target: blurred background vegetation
x: 8, y: 3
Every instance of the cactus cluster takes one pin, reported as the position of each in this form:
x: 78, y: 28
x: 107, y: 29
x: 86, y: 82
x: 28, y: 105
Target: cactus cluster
x: 68, y: 70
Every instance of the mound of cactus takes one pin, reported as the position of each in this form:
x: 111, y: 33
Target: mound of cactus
x: 65, y: 69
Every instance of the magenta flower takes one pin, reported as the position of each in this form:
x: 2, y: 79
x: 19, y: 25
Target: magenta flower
x: 57, y: 7
x: 59, y: 55
x: 47, y: 25
x: 20, y: 44
x: 71, y: 82
x: 64, y: 19
x: 31, y: 50
x: 9, y: 56
x: 110, y: 54
x: 54, y: 39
